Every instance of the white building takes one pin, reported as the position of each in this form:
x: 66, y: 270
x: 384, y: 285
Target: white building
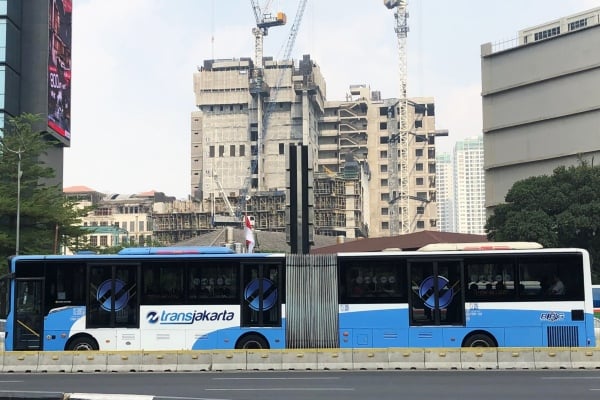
x: 469, y: 186
x: 444, y: 183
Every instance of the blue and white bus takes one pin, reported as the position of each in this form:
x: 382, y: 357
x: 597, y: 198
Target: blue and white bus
x: 210, y: 298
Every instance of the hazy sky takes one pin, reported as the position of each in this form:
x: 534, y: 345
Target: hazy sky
x: 133, y: 62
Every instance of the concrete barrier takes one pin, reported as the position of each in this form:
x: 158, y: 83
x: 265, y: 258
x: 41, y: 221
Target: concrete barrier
x: 123, y: 361
x: 191, y: 361
x: 515, y: 358
x: 20, y: 361
x: 442, y: 358
x: 299, y: 359
x: 159, y: 361
x: 89, y: 361
x: 264, y: 360
x: 479, y: 358
x: 334, y: 359
x: 552, y: 358
x: 406, y: 358
x: 585, y: 358
x: 302, y: 359
x: 229, y: 360
x: 368, y: 359
x: 55, y: 361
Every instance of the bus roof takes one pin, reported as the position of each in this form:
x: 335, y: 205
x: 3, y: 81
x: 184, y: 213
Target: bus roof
x: 176, y: 250
x: 482, y: 246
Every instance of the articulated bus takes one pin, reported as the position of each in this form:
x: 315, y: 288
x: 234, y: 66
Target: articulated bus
x: 194, y: 298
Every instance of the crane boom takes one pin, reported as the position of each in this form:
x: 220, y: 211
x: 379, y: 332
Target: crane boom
x: 398, y: 131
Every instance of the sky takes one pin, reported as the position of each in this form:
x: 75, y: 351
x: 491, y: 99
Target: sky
x: 133, y: 63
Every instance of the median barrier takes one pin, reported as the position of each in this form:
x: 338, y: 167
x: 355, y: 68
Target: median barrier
x: 406, y: 358
x: 478, y: 358
x: 159, y: 361
x: 55, y: 361
x: 123, y: 361
x: 228, y: 360
x: 89, y: 361
x: 365, y: 359
x: 552, y: 358
x: 193, y: 360
x: 442, y: 358
x: 334, y: 359
x: 264, y: 360
x: 585, y: 358
x: 515, y: 358
x: 20, y: 361
x: 299, y: 359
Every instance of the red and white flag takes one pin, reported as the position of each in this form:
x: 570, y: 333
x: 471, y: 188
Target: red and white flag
x: 249, y: 234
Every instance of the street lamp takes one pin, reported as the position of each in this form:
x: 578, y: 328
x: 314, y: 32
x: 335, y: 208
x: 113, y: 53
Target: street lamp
x: 19, y: 174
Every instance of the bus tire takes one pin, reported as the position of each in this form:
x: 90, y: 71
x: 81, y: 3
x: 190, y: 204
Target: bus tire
x: 252, y: 341
x: 83, y: 343
x: 480, y: 340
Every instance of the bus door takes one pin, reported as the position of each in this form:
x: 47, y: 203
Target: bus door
x: 436, y: 299
x: 113, y: 302
x: 261, y: 295
x: 28, y: 319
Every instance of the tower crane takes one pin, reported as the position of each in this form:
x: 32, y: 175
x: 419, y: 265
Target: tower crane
x: 398, y: 131
x: 263, y: 22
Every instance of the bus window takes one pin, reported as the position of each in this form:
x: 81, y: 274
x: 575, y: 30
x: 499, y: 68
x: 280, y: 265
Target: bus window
x: 213, y: 282
x: 64, y: 285
x: 162, y: 282
x: 539, y: 277
x: 372, y: 280
x: 490, y: 280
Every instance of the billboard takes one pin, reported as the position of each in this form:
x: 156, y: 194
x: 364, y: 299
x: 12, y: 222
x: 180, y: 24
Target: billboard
x: 59, y: 68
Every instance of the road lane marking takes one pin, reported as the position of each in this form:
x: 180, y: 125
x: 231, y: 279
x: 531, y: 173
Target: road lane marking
x: 281, y: 389
x: 275, y: 379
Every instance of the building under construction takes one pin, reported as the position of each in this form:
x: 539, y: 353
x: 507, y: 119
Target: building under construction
x: 242, y: 131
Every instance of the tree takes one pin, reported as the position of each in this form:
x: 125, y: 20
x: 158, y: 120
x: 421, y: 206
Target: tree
x: 561, y: 210
x: 47, y: 218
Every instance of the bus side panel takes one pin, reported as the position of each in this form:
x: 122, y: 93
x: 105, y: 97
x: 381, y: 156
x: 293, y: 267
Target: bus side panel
x: 199, y: 328
x: 59, y: 324
x: 373, y: 325
x: 529, y: 324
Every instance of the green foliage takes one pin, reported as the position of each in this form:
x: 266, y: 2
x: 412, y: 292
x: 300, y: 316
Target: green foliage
x: 47, y: 218
x: 562, y: 210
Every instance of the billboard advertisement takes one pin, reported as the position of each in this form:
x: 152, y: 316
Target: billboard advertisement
x: 59, y: 68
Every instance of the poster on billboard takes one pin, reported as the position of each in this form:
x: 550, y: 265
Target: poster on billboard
x: 59, y: 68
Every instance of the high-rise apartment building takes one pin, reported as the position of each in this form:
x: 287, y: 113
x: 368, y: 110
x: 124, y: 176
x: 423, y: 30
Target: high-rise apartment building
x: 541, y: 107
x: 469, y: 186
x: 444, y: 184
x: 35, y: 69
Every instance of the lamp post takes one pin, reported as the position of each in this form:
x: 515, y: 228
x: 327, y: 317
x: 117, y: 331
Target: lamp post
x: 19, y: 174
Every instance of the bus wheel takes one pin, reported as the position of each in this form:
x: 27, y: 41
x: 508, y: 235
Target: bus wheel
x: 83, y: 343
x: 252, y: 342
x: 480, y: 340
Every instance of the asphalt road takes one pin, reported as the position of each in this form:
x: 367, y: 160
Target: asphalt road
x: 320, y: 385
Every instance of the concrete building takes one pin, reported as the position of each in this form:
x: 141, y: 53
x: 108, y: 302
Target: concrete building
x: 35, y: 69
x: 356, y: 129
x: 469, y: 186
x: 444, y: 184
x: 244, y: 127
x: 119, y: 219
x: 234, y: 166
x: 541, y: 107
